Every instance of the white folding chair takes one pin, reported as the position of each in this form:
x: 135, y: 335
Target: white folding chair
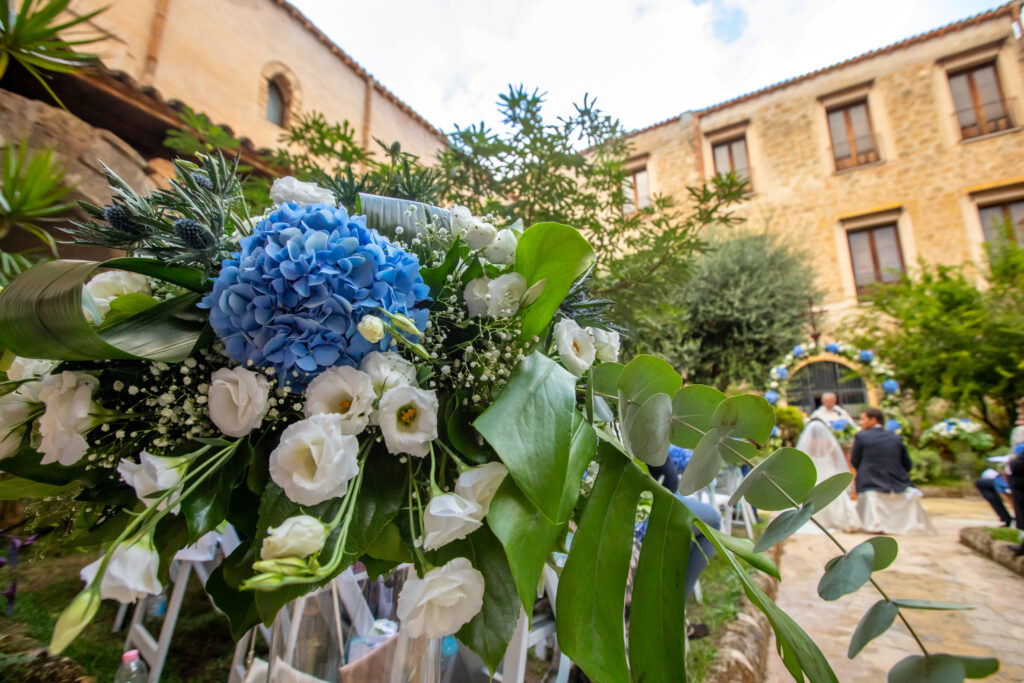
x: 542, y: 628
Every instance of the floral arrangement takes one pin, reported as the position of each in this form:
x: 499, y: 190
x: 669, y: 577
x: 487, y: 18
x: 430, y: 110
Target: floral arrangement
x: 956, y: 434
x: 870, y: 366
x: 397, y: 385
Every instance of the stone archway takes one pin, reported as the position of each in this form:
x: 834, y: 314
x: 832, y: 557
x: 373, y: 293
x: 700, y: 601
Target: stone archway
x: 829, y: 372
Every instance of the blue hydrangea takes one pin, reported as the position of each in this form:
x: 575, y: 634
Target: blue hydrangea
x: 294, y: 295
x: 893, y: 425
x: 839, y: 425
x: 775, y: 430
x: 833, y: 347
x: 771, y: 396
x: 781, y: 372
x: 680, y: 457
x: 890, y: 386
x: 867, y: 356
x: 798, y: 351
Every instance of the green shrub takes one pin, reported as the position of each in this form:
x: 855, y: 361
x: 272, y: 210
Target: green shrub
x: 927, y: 465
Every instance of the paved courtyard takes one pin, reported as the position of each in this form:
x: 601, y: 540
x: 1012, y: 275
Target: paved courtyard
x: 928, y: 567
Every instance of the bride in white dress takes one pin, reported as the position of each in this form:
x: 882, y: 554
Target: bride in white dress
x: 825, y: 452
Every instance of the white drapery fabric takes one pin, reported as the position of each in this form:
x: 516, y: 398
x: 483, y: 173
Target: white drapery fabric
x: 825, y: 452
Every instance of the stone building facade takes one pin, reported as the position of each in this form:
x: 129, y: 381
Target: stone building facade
x: 227, y: 58
x: 908, y: 152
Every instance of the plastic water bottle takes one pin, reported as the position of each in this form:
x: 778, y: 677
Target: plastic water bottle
x: 132, y: 669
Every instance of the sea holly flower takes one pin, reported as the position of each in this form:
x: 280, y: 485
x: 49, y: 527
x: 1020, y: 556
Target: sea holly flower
x: 575, y: 346
x: 315, y: 459
x: 131, y: 573
x: 298, y: 536
x: 449, y: 517
x: 237, y: 400
x: 442, y: 601
x: 345, y: 391
x: 68, y: 416
x: 152, y: 475
x: 408, y: 420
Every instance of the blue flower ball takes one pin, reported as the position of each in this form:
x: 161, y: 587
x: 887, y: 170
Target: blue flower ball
x: 893, y: 425
x: 833, y: 347
x: 890, y: 386
x: 867, y: 356
x: 775, y: 430
x: 293, y: 297
x: 771, y: 396
x: 798, y: 351
x: 782, y: 372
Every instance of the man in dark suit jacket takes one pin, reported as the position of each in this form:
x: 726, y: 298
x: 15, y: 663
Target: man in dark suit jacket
x: 880, y: 456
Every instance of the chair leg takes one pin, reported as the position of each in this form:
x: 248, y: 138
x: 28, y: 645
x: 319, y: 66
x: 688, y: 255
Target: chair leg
x: 170, y: 620
x: 514, y: 668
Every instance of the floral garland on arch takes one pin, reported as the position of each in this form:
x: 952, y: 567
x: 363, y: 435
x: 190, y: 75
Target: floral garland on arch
x: 406, y: 385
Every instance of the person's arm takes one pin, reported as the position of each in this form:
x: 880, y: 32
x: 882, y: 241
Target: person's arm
x: 858, y: 452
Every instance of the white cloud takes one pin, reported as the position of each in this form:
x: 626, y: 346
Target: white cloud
x: 645, y: 61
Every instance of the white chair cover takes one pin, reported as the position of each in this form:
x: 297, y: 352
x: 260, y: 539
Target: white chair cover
x: 894, y: 513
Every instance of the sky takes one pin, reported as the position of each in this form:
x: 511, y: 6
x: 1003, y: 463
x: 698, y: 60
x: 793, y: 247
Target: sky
x: 644, y: 61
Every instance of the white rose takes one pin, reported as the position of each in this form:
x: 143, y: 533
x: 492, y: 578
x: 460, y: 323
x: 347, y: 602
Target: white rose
x: 131, y: 573
x: 27, y: 368
x: 345, y: 391
x: 503, y: 295
x: 442, y: 601
x: 69, y: 404
x: 151, y: 475
x: 237, y: 400
x: 479, y: 484
x: 503, y: 249
x: 387, y: 370
x: 315, y: 459
x: 299, y: 536
x: 448, y: 518
x: 606, y: 344
x: 475, y: 295
x: 575, y: 346
x: 371, y: 328
x: 408, y: 420
x: 14, y: 412
x: 109, y: 285
x: 289, y: 189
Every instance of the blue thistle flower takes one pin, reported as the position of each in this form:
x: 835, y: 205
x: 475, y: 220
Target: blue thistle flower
x: 293, y: 297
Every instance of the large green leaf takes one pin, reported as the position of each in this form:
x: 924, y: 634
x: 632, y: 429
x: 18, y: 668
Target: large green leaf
x: 41, y: 317
x: 527, y: 535
x: 828, y: 490
x: 605, y: 379
x: 692, y: 408
x: 26, y: 464
x: 207, y: 506
x: 645, y: 376
x: 539, y: 435
x: 886, y: 549
x: 183, y: 276
x: 785, y: 476
x: 15, y: 488
x: 928, y: 669
x: 931, y: 604
x: 648, y: 429
x: 555, y: 253
x: 704, y: 465
x: 874, y: 623
x: 744, y: 549
x: 744, y: 417
x: 489, y: 632
x: 846, y: 574
x: 783, y: 526
x: 799, y: 653
x: 222, y: 587
x: 591, y: 592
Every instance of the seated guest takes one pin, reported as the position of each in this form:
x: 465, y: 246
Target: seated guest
x: 991, y: 485
x: 886, y: 501
x: 1015, y: 478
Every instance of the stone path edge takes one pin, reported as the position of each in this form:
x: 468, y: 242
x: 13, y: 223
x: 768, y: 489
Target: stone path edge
x: 977, y: 539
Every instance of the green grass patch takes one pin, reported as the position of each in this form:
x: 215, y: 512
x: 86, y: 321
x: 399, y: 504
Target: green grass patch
x: 1003, y: 533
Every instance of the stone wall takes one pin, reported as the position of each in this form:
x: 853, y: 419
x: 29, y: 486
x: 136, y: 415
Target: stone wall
x: 927, y: 178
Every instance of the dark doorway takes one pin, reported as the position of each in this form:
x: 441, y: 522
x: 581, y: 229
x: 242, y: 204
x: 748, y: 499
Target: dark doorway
x: 807, y: 384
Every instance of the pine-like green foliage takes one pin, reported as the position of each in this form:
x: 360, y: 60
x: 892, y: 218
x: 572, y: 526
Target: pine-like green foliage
x: 744, y: 308
x: 949, y: 336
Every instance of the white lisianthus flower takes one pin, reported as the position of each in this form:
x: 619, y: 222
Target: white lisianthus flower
x: 131, y: 573
x: 475, y: 295
x: 575, y: 346
x: 14, y: 411
x: 503, y: 249
x: 289, y: 189
x: 107, y: 286
x: 345, y: 391
x: 315, y: 459
x: 371, y: 328
x: 27, y: 368
x: 448, y: 518
x: 408, y: 420
x: 462, y: 218
x: 442, y: 601
x: 479, y: 235
x: 298, y: 536
x: 387, y: 370
x: 503, y: 295
x: 151, y: 475
x: 68, y: 415
x: 237, y: 400
x: 479, y: 484
x: 606, y: 344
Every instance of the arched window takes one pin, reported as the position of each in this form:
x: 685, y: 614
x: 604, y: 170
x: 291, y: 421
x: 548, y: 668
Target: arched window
x: 807, y: 384
x: 277, y: 104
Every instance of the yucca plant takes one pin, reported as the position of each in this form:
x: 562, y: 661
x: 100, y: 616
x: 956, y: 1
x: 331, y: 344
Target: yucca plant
x: 32, y: 191
x: 31, y: 36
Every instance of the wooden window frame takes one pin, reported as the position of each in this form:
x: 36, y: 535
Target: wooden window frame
x: 636, y: 195
x: 872, y: 155
x: 865, y: 290
x: 1004, y: 206
x: 728, y: 143
x: 981, y: 120
x: 283, y: 87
